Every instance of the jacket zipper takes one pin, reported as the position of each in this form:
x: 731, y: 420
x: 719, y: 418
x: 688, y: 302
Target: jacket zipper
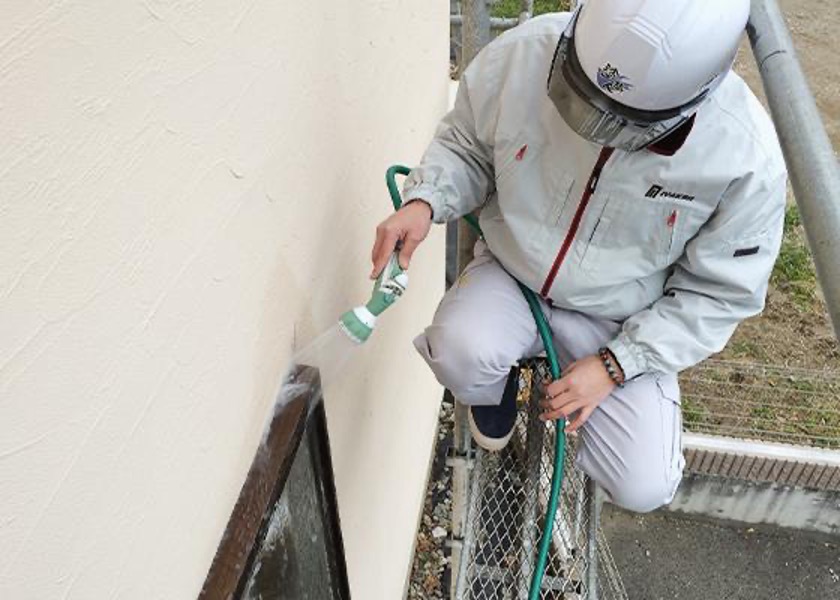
x: 606, y: 152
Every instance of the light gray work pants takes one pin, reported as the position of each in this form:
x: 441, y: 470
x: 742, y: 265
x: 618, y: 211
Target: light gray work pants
x: 483, y: 326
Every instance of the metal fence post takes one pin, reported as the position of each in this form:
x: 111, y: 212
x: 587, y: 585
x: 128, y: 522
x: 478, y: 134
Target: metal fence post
x: 594, y: 501
x: 527, y: 10
x: 808, y: 152
x: 475, y: 31
x: 475, y: 34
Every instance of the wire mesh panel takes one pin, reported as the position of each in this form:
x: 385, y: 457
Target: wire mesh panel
x: 508, y: 495
x: 763, y: 402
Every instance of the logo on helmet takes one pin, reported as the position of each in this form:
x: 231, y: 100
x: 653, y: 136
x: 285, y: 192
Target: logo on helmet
x: 612, y: 81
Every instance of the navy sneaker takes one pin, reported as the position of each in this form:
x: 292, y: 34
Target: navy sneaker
x: 492, y: 426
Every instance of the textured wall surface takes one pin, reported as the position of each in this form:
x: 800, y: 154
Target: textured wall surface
x: 188, y: 190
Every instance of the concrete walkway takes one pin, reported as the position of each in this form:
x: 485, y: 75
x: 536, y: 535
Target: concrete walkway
x: 663, y: 556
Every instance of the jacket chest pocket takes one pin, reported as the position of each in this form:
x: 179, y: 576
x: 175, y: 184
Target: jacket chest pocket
x: 634, y: 238
x: 532, y: 194
x: 552, y: 221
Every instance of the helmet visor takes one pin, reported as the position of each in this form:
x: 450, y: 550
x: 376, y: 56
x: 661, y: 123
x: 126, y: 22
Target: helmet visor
x: 595, y: 116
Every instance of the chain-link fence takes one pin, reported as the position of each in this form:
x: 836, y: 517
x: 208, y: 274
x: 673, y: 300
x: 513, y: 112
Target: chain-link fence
x: 500, y: 15
x: 508, y: 494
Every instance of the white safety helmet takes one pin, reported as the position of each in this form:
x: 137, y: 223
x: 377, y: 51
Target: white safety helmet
x: 628, y: 72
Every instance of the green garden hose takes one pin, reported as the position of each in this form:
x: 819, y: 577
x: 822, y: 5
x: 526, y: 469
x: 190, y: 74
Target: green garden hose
x: 554, y: 366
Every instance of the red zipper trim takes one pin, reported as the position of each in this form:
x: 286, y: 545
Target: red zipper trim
x: 606, y: 152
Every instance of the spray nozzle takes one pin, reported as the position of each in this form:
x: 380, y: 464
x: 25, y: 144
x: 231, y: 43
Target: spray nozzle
x: 359, y: 322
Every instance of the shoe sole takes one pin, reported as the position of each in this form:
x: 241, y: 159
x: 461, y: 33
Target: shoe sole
x: 488, y: 443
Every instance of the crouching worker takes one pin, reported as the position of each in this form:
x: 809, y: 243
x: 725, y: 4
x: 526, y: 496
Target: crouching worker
x: 628, y: 176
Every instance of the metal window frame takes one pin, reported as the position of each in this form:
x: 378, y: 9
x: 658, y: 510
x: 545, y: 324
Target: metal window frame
x: 302, y: 420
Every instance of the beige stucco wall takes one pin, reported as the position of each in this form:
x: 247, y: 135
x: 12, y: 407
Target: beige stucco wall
x: 187, y: 191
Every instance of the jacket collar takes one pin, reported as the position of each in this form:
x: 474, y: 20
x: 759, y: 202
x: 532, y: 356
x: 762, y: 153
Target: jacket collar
x: 672, y: 142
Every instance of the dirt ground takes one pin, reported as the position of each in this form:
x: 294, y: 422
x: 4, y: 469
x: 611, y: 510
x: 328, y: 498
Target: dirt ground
x: 789, y: 333
x: 787, y: 386
x: 813, y: 26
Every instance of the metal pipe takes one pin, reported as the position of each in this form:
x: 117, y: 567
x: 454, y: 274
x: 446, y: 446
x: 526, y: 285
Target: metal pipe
x: 808, y: 152
x: 526, y: 11
x: 475, y: 34
x: 460, y: 501
x: 495, y: 22
x: 475, y: 30
x: 593, y: 513
x: 531, y: 509
x: 468, y: 543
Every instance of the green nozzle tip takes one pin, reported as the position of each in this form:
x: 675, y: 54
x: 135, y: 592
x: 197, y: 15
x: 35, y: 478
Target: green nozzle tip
x: 357, y: 325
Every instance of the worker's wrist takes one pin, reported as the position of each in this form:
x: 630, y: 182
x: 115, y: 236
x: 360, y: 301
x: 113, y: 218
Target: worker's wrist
x: 421, y: 202
x: 629, y: 356
x: 612, y: 366
x: 617, y: 365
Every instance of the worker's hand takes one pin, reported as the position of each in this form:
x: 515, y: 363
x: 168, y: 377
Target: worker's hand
x: 584, y: 385
x: 409, y: 225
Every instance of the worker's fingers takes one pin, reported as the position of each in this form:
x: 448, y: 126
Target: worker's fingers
x: 555, y: 391
x: 377, y: 249
x: 551, y: 416
x: 377, y: 243
x: 581, y: 418
x: 410, y: 225
x: 570, y: 408
x: 558, y: 401
x: 383, y: 231
x: 562, y: 413
x: 386, y: 240
x: 555, y: 388
x: 572, y: 381
x: 410, y: 243
x: 556, y: 410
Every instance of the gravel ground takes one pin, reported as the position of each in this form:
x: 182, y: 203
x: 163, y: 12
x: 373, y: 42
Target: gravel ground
x: 430, y: 574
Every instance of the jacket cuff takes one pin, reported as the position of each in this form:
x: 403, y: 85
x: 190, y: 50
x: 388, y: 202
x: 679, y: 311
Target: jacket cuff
x: 430, y: 195
x: 629, y: 356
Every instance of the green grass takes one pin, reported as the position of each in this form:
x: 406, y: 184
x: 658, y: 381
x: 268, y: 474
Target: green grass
x: 763, y: 413
x: 792, y: 218
x: 802, y: 385
x: 794, y: 271
x: 745, y: 348
x: 511, y: 8
x: 694, y: 413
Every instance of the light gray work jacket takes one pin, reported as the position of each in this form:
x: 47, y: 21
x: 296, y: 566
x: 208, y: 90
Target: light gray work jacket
x: 679, y: 247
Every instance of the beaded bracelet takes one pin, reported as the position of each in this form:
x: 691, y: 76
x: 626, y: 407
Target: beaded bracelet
x: 608, y: 365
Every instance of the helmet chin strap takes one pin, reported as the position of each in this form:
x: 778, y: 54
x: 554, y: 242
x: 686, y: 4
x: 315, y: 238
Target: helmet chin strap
x: 668, y: 144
